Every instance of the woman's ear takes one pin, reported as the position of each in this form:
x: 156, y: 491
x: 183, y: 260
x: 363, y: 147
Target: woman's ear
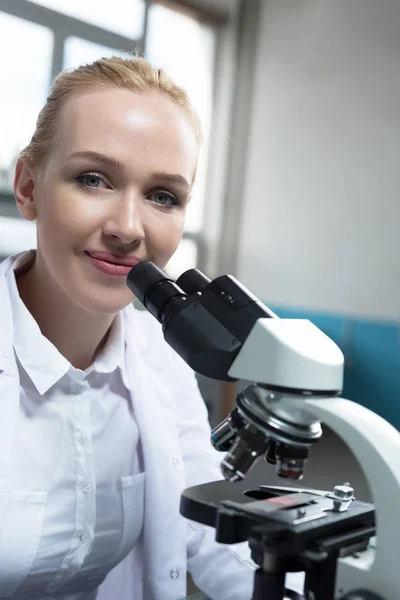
x: 24, y: 189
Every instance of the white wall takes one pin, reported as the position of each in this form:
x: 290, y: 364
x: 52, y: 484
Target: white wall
x: 321, y: 217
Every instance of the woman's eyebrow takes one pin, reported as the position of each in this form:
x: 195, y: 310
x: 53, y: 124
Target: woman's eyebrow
x: 106, y: 160
x: 115, y: 163
x: 172, y: 178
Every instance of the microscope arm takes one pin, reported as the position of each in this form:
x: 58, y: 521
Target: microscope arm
x: 376, y: 446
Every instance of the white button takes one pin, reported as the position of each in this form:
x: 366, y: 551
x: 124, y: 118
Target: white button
x: 176, y: 461
x: 77, y: 387
x: 85, y: 537
x: 82, y: 437
x: 174, y: 574
x: 88, y: 488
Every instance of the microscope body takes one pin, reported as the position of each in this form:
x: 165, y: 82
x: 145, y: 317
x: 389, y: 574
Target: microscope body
x: 222, y: 331
x: 373, y: 441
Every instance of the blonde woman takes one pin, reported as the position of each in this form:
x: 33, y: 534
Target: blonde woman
x: 102, y: 425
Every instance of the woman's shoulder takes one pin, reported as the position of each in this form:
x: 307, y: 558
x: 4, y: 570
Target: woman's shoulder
x: 143, y: 330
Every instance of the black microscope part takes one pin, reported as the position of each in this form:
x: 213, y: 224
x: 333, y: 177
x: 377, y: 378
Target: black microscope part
x: 199, y: 317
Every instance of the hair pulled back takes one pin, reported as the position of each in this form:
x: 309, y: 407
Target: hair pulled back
x: 134, y: 73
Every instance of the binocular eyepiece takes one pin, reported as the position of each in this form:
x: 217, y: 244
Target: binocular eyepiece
x: 160, y: 294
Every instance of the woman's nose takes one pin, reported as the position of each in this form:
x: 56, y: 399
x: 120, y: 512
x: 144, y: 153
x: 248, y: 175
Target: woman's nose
x: 125, y: 222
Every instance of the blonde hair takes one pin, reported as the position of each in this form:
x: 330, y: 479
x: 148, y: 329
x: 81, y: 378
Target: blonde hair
x: 134, y: 73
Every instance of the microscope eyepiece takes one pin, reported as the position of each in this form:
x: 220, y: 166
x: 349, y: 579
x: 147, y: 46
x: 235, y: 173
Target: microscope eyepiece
x: 193, y: 281
x: 143, y: 277
x: 153, y: 288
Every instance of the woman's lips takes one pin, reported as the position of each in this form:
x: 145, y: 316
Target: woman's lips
x: 112, y: 268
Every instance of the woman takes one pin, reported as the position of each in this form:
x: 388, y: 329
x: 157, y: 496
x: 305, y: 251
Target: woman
x: 102, y: 423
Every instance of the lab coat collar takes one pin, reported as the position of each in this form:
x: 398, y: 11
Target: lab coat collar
x: 6, y: 334
x: 44, y: 364
x: 41, y: 360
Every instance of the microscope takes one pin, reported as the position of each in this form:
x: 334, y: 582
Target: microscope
x: 347, y: 548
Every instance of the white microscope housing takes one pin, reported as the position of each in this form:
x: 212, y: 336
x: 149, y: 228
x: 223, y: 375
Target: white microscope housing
x: 295, y: 355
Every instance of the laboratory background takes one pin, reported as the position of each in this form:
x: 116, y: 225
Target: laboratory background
x: 297, y: 193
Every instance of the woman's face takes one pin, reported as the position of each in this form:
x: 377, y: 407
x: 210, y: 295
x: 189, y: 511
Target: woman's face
x: 117, y: 180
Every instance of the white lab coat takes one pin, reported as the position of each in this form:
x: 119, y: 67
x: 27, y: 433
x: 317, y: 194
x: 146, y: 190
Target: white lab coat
x: 174, y: 433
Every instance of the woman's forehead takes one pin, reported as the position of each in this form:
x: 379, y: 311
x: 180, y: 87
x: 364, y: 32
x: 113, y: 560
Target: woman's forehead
x: 124, y: 123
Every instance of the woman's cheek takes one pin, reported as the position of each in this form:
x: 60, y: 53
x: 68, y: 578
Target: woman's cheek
x: 68, y: 216
x: 165, y: 240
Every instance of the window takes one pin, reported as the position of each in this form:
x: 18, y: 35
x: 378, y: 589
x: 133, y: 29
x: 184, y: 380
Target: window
x: 78, y: 51
x: 125, y: 17
x: 189, y: 58
x: 23, y: 89
x: 184, y: 258
x: 58, y: 34
x: 16, y: 235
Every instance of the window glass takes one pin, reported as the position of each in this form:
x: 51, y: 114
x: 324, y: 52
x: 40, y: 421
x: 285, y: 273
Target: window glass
x: 125, y: 17
x: 23, y: 45
x: 184, y: 258
x: 16, y: 235
x: 78, y: 52
x: 185, y: 48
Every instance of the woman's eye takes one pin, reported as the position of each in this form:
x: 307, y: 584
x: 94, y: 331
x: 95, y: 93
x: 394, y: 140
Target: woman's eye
x: 165, y: 198
x: 90, y: 180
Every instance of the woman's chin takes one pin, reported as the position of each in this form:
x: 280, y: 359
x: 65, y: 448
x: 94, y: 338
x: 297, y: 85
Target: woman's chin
x: 106, y: 302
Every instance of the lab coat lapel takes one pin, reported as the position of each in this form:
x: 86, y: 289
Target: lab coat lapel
x: 9, y: 388
x: 164, y: 534
x: 6, y: 335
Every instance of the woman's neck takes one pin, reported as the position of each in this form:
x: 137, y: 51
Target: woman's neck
x: 79, y: 335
